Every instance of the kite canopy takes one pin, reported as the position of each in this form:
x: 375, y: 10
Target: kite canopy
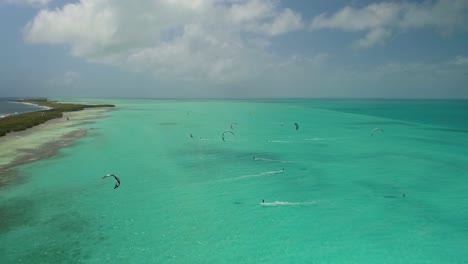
x: 117, y: 184
x: 376, y: 129
x: 228, y: 131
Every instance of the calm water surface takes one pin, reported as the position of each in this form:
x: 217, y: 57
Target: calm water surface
x: 344, y: 196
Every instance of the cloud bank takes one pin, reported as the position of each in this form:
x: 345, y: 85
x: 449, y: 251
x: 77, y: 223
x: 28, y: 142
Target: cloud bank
x: 380, y: 21
x: 171, y: 39
x: 37, y: 3
x: 228, y: 45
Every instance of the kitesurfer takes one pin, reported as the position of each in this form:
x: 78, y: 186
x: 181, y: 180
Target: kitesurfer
x: 228, y: 131
x: 297, y: 126
x: 117, y: 184
x: 376, y: 129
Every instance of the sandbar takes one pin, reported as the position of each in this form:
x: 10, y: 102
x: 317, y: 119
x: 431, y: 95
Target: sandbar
x: 44, y: 140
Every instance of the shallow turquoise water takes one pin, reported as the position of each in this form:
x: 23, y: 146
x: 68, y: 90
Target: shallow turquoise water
x: 183, y: 200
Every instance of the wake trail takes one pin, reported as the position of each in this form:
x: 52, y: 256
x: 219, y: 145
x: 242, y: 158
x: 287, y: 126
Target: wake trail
x: 279, y: 141
x: 280, y: 161
x: 278, y: 203
x: 320, y: 139
x: 263, y: 174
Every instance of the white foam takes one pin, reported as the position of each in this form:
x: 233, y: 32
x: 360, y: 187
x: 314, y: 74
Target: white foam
x: 201, y: 243
x: 279, y: 141
x: 319, y: 139
x: 262, y: 159
x: 278, y: 203
x: 40, y: 106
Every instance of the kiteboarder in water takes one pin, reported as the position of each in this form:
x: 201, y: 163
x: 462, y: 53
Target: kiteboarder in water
x: 117, y: 184
x: 228, y: 131
x: 376, y: 129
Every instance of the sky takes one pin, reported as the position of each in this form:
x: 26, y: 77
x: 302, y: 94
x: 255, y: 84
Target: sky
x: 234, y: 48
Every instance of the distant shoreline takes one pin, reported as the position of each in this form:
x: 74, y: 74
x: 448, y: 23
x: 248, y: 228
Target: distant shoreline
x: 41, y: 108
x: 34, y: 104
x: 53, y: 110
x: 43, y: 141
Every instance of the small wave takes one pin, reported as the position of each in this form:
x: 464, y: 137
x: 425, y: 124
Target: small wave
x: 314, y: 139
x: 9, y: 114
x: 278, y: 203
x: 320, y: 139
x: 262, y: 159
x: 201, y: 243
x: 279, y: 141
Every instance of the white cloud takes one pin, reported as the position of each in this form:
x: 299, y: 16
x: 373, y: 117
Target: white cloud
x: 264, y: 17
x: 189, y: 39
x: 248, y: 11
x: 460, y: 60
x: 373, y: 37
x: 26, y: 2
x: 86, y: 27
x: 351, y: 19
x: 194, y: 54
x: 381, y: 19
x: 285, y: 22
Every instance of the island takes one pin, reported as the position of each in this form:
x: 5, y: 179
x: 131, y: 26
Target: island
x: 27, y: 120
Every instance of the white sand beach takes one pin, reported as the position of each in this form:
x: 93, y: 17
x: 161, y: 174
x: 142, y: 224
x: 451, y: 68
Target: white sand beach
x: 44, y: 140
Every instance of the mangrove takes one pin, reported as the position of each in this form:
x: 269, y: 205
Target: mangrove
x: 27, y: 120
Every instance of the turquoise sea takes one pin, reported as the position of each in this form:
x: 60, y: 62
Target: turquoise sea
x: 344, y: 196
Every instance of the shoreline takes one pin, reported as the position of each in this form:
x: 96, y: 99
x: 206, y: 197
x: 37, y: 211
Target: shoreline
x: 43, y: 141
x: 29, y: 103
x: 27, y: 120
x: 42, y: 108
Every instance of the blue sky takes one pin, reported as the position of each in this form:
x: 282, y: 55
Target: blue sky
x: 234, y: 48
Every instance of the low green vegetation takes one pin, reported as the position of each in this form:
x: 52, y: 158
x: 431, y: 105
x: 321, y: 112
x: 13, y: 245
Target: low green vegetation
x: 27, y: 120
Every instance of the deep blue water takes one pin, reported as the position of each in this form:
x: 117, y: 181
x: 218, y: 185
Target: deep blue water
x: 9, y: 107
